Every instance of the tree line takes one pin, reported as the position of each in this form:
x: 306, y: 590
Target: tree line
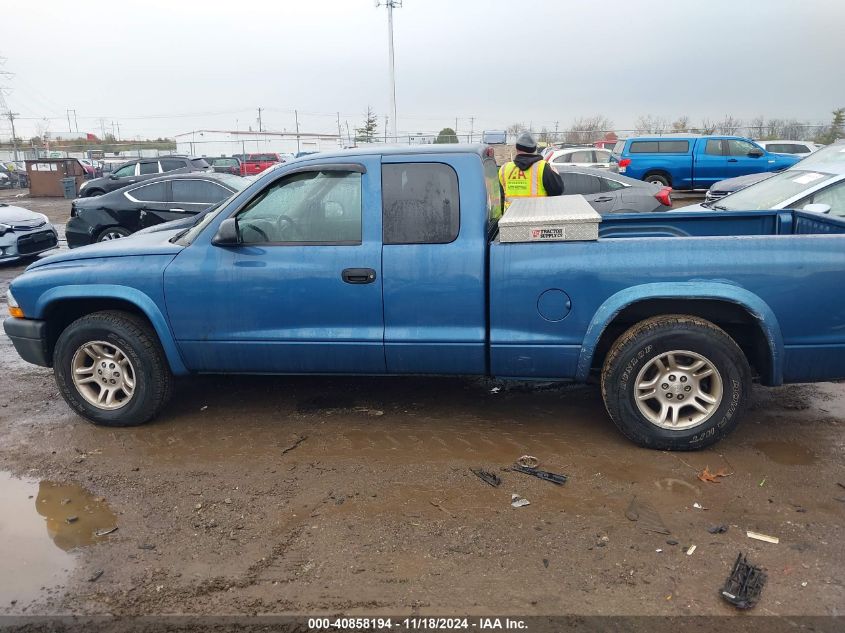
x: 596, y: 128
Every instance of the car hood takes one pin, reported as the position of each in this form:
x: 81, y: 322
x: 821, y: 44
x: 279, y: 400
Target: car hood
x: 19, y: 215
x: 740, y: 182
x: 134, y: 245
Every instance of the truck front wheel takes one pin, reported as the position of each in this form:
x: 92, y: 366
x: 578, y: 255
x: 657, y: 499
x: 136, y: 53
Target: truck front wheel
x: 111, y: 369
x: 675, y: 383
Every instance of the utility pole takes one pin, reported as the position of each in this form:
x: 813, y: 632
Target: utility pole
x: 12, y: 116
x: 339, y: 133
x: 296, y: 118
x: 75, y: 122
x: 471, y: 127
x: 556, y: 137
x: 385, y: 128
x: 118, y: 130
x: 259, y: 120
x: 69, y: 128
x: 391, y: 4
x: 348, y: 135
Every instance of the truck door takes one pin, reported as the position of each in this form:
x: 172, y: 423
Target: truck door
x: 710, y: 162
x: 434, y: 262
x: 301, y: 292
x: 744, y: 158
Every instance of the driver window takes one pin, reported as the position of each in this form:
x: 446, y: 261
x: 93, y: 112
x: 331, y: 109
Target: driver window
x: 739, y: 148
x: 127, y: 170
x: 317, y: 207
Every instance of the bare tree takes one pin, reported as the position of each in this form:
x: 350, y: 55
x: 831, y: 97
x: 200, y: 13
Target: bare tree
x: 757, y: 127
x: 650, y: 124
x: 515, y: 129
x: 707, y: 126
x: 728, y: 126
x: 588, y: 129
x: 545, y: 135
x: 681, y: 124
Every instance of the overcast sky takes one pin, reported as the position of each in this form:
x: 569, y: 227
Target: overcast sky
x: 160, y: 67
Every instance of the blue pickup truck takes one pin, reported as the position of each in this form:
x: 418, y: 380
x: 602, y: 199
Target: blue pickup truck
x: 694, y: 162
x: 389, y: 261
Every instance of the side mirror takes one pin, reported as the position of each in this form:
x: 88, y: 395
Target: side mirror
x: 113, y: 176
x: 227, y: 233
x: 817, y: 208
x: 755, y: 153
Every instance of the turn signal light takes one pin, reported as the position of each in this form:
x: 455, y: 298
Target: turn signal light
x: 16, y: 312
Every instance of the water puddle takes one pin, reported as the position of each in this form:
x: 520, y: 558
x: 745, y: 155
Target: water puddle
x: 787, y: 453
x: 40, y: 524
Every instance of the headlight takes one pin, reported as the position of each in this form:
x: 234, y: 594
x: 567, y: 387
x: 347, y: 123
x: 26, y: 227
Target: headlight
x: 14, y: 308
x: 84, y: 184
x: 4, y: 228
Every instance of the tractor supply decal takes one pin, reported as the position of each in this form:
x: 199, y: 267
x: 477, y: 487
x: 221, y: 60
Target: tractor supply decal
x: 548, y: 234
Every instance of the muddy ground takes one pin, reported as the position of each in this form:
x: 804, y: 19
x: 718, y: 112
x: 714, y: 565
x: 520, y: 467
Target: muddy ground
x: 354, y: 495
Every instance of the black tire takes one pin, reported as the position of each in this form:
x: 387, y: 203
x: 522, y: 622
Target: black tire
x: 638, y: 348
x: 112, y: 233
x: 658, y: 179
x: 138, y: 341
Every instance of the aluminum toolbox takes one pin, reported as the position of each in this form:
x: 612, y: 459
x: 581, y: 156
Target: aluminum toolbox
x: 549, y: 219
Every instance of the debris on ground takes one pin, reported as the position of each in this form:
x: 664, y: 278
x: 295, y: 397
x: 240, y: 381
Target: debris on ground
x: 487, y: 477
x: 546, y: 563
x: 718, y: 529
x: 647, y: 518
x: 555, y: 478
x: 671, y: 541
x: 518, y: 502
x: 64, y: 502
x: 763, y: 481
x: 706, y: 475
x: 204, y: 407
x: 528, y: 461
x: 762, y: 537
x: 146, y: 546
x: 441, y: 508
x: 744, y: 584
x: 495, y: 390
x: 299, y: 440
x: 698, y: 506
x: 105, y: 532
x: 71, y: 519
x: 691, y: 549
x: 95, y: 576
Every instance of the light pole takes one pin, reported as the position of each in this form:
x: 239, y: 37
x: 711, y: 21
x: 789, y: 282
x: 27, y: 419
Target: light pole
x: 391, y: 4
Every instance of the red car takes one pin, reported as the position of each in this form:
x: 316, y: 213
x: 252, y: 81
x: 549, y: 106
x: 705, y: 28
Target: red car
x: 256, y: 163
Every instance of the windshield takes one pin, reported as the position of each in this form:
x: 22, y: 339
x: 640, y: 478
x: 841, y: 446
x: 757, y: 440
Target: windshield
x: 773, y: 191
x: 830, y: 155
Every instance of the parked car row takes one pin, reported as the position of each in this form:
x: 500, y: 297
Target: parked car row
x: 141, y: 169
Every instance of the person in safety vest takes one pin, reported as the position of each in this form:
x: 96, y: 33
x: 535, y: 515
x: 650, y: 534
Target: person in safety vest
x: 528, y: 175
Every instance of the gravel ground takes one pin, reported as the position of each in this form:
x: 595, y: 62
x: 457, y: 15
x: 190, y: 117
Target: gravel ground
x: 289, y: 495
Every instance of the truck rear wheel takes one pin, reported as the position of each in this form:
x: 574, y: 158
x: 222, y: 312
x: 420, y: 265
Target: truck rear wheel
x: 675, y: 383
x: 111, y: 369
x: 658, y: 179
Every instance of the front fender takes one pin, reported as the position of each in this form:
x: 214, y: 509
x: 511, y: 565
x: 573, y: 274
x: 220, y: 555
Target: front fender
x: 714, y: 290
x: 123, y: 293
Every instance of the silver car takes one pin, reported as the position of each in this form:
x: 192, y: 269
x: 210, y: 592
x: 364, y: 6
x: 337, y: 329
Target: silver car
x: 24, y: 233
x: 592, y: 157
x: 613, y: 193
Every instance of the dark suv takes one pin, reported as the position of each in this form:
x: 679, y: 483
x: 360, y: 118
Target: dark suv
x: 141, y: 169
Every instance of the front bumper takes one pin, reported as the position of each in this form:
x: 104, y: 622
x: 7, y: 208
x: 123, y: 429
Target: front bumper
x: 29, y: 336
x: 28, y: 243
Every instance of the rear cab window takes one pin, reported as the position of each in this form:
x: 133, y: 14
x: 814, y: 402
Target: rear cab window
x: 420, y: 203
x: 659, y: 147
x: 200, y: 163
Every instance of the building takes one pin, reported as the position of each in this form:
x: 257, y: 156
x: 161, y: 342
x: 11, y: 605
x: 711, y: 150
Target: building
x: 228, y: 142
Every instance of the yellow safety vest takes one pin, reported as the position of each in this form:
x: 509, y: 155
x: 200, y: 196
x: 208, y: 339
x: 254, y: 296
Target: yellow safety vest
x: 522, y: 184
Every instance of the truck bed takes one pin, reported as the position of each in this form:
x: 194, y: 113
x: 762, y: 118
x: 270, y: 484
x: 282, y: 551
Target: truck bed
x: 783, y: 268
